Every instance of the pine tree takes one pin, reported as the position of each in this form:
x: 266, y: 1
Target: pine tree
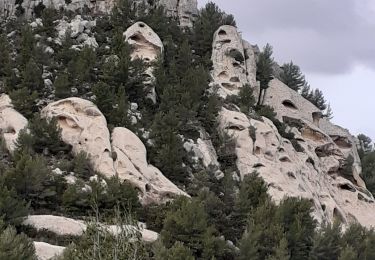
x: 187, y: 223
x: 329, y: 113
x: 12, y: 209
x: 32, y: 77
x: 209, y: 20
x: 327, y: 243
x: 24, y: 101
x: 294, y: 214
x: 264, y: 71
x: 246, y: 99
x: 177, y: 252
x: 62, y: 86
x: 27, y: 46
x: 263, y: 234
x: 5, y: 68
x: 119, y: 115
x: 292, y: 76
x: 281, y: 252
x: 348, y: 254
x: 15, y: 247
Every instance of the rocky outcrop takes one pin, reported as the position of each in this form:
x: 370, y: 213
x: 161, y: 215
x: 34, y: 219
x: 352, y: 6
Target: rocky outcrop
x: 185, y: 10
x: 26, y: 8
x: 233, y: 61
x: 78, y: 29
x: 63, y: 226
x: 202, y: 149
x: 295, y: 110
x: 146, y: 45
x: 11, y: 122
x: 85, y: 128
x: 131, y: 164
x: 308, y: 174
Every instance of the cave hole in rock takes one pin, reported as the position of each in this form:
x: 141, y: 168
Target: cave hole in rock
x: 229, y: 86
x: 342, y: 142
x: 291, y: 175
x: 316, y: 117
x: 136, y: 38
x: 147, y: 187
x: 323, y: 207
x: 281, y: 150
x: 337, y: 216
x: 142, y: 25
x: 226, y: 41
x: 258, y: 165
x: 234, y: 79
x: 284, y: 159
x: 311, y: 161
x: 223, y: 75
x: 235, y: 127
x: 236, y: 65
x: 10, y: 130
x: 236, y: 55
x: 222, y: 33
x: 347, y: 186
x: 257, y: 150
x: 289, y: 104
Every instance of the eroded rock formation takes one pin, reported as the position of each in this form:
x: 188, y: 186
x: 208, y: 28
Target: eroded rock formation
x: 233, y: 61
x: 298, y: 174
x: 11, y: 122
x: 85, y: 128
x: 131, y: 164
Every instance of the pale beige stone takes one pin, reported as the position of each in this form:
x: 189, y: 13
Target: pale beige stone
x: 45, y: 251
x: 85, y: 128
x: 11, y: 122
x: 131, y: 165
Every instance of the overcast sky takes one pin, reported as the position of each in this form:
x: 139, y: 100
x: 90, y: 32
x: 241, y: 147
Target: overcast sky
x: 333, y: 41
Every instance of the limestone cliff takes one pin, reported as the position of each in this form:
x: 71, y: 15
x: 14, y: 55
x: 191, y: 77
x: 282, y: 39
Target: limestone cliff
x: 184, y: 10
x: 313, y: 170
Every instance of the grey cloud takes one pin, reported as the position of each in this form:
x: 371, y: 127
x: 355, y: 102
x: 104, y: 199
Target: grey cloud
x: 322, y: 36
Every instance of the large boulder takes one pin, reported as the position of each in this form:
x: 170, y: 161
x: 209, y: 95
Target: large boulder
x: 63, y: 226
x: 11, y: 122
x: 131, y: 164
x: 85, y: 128
x: 45, y: 251
x: 311, y: 173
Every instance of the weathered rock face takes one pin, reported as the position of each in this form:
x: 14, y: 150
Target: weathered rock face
x: 291, y: 108
x: 85, y: 128
x: 9, y: 8
x: 131, y: 164
x: 312, y: 174
x: 185, y: 10
x: 146, y: 45
x: 11, y: 122
x: 233, y: 61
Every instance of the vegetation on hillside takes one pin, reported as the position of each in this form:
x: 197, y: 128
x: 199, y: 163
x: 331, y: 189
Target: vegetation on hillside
x: 224, y: 219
